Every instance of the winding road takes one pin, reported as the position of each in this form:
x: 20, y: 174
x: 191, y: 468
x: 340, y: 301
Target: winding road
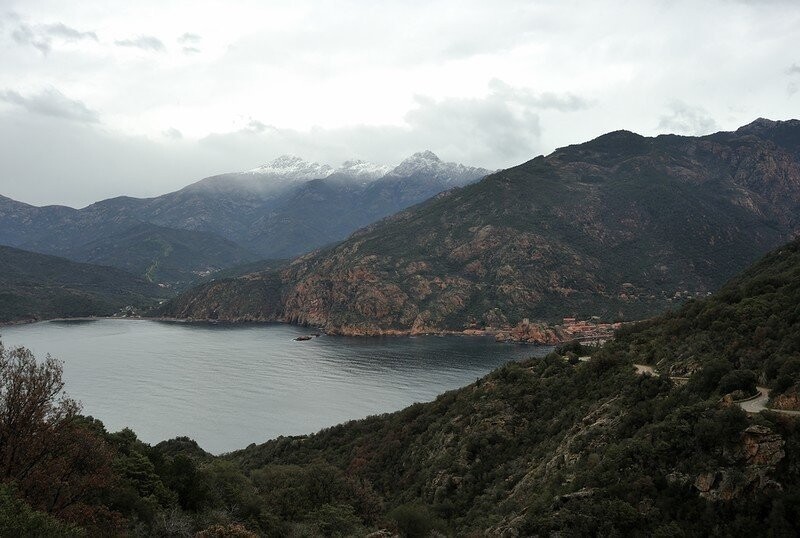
x: 759, y: 404
x: 754, y: 406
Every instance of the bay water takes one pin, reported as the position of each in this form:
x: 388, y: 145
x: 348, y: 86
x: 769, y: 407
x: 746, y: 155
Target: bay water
x: 227, y: 386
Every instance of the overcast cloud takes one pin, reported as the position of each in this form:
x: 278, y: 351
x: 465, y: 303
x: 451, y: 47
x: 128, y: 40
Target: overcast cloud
x: 51, y: 102
x: 144, y: 42
x: 143, y: 98
x: 41, y: 36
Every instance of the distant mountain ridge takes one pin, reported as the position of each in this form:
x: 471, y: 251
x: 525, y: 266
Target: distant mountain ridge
x: 620, y: 227
x: 281, y: 209
x: 290, y: 206
x: 101, y: 235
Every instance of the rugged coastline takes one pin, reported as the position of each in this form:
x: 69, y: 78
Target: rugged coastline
x: 592, y: 332
x: 525, y: 332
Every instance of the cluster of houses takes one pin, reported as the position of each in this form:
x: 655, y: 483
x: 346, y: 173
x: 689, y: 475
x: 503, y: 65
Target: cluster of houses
x: 590, y: 331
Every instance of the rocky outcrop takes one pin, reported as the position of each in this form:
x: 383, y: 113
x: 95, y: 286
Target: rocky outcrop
x: 788, y: 401
x: 754, y: 460
x: 761, y: 447
x: 531, y: 333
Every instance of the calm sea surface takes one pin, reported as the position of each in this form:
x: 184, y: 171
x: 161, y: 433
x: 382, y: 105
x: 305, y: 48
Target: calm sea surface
x: 227, y: 386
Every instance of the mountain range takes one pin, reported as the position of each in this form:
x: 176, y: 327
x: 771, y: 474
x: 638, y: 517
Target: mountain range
x: 620, y: 227
x: 284, y: 208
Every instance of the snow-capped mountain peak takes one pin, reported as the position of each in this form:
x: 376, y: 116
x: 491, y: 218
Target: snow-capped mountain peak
x: 426, y: 155
x: 429, y: 164
x: 287, y: 171
x: 294, y: 168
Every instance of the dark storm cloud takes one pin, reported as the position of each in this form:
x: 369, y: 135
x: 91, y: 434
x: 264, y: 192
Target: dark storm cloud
x: 686, y: 119
x: 53, y: 103
x: 42, y: 36
x: 143, y: 42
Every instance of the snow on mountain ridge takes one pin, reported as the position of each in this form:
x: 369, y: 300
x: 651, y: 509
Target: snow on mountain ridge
x: 293, y: 167
x: 363, y: 169
x: 428, y: 163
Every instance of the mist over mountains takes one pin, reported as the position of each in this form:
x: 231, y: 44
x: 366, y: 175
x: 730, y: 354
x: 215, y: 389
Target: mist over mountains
x: 281, y: 209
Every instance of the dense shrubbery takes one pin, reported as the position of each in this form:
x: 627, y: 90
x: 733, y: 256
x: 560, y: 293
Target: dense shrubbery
x: 752, y: 324
x: 555, y: 447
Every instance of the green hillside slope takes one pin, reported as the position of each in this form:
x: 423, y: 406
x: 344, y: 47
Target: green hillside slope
x: 36, y: 286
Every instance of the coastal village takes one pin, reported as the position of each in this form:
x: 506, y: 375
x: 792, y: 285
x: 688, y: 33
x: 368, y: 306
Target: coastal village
x: 590, y: 331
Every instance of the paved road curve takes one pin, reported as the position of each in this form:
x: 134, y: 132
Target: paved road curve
x: 759, y: 404
x: 754, y: 406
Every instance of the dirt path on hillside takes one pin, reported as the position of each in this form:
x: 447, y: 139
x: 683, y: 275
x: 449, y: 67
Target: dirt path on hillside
x: 643, y: 369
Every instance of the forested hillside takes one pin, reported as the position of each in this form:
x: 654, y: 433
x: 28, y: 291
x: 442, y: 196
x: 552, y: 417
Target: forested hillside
x: 35, y: 286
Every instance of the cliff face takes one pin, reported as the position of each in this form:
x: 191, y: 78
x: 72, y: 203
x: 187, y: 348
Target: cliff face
x: 620, y: 227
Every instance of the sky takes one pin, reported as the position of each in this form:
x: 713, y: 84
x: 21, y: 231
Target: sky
x: 101, y: 99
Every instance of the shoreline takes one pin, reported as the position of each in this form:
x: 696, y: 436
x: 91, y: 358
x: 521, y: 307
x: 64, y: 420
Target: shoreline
x: 392, y: 333
x: 543, y: 335
x: 384, y: 333
x: 79, y: 318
